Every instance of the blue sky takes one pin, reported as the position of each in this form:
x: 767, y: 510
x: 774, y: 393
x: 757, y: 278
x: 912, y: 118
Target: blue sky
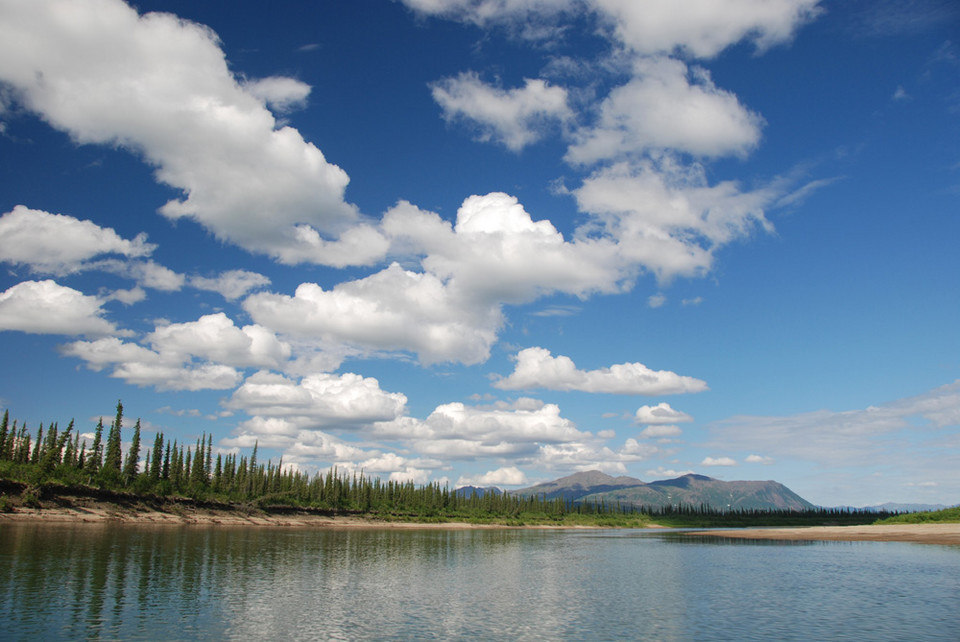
x: 494, y: 242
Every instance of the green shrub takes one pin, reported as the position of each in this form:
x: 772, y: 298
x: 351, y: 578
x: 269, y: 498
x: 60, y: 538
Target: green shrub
x: 30, y: 497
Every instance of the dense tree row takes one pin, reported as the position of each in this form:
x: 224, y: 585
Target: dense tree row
x: 702, y: 515
x: 172, y: 469
x: 59, y: 456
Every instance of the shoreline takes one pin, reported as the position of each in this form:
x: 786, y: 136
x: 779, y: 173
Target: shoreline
x: 86, y: 511
x: 945, y: 534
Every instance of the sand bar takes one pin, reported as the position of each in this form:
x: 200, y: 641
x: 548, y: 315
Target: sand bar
x: 939, y: 533
x: 89, y: 511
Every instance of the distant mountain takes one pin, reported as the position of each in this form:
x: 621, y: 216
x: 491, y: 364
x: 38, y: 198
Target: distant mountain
x: 687, y: 490
x: 893, y: 507
x: 576, y: 486
x: 469, y: 491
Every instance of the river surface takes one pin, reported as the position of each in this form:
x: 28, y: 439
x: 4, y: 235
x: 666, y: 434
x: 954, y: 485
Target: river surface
x: 128, y: 582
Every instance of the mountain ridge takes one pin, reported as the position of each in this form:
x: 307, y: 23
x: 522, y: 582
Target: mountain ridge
x: 685, y: 490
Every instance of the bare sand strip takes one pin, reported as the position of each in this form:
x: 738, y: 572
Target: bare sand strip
x: 85, y: 511
x: 944, y: 534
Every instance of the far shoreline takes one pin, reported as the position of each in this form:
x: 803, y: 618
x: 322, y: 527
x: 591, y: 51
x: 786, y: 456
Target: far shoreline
x: 945, y: 534
x: 106, y: 513
x: 86, y: 511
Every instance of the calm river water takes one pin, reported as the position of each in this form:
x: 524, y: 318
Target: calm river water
x: 88, y: 581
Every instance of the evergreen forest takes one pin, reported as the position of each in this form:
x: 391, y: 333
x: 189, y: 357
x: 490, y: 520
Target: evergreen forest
x: 51, y: 462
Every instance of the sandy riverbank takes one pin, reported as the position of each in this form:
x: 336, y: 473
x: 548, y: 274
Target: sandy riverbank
x: 948, y: 534
x: 91, y: 511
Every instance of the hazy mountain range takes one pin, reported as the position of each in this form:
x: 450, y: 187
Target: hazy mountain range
x: 688, y: 490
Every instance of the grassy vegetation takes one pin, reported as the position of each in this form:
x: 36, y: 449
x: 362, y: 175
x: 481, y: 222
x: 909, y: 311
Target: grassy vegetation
x: 945, y: 516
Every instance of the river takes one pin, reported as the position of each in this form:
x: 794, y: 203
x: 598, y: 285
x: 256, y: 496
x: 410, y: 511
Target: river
x: 129, y: 582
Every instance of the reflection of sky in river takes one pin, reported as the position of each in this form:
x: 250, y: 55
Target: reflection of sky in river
x: 88, y: 581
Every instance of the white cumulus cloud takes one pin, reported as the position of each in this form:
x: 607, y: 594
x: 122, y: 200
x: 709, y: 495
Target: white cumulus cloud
x: 394, y: 309
x: 667, y: 106
x: 538, y: 368
x: 718, y: 461
x: 514, y: 118
x: 160, y: 86
x: 279, y: 92
x: 142, y: 366
x: 46, y: 307
x: 317, y: 401
x: 497, y: 253
x: 506, y: 476
x: 703, y: 28
x: 215, y: 338
x: 661, y: 431
x: 231, y: 284
x: 667, y: 218
x: 59, y: 244
x: 662, y: 413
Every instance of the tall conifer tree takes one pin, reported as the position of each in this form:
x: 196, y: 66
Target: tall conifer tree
x: 95, y: 459
x: 156, y: 461
x: 4, y: 425
x: 132, y: 464
x: 113, y: 461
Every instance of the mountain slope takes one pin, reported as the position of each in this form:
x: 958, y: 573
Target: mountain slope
x: 574, y: 487
x: 687, y: 490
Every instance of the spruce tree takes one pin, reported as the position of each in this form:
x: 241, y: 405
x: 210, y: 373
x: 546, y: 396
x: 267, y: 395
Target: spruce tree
x: 95, y: 459
x: 209, y: 455
x: 156, y: 460
x: 11, y: 442
x: 70, y: 455
x: 113, y: 462
x: 38, y: 447
x: 23, y: 446
x: 198, y: 475
x: 252, y: 468
x: 132, y: 464
x: 165, y: 471
x: 54, y: 453
x: 4, y: 425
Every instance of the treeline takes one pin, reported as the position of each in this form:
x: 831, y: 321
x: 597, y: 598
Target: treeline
x: 944, y: 515
x: 56, y: 457
x: 703, y: 516
x: 51, y: 458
